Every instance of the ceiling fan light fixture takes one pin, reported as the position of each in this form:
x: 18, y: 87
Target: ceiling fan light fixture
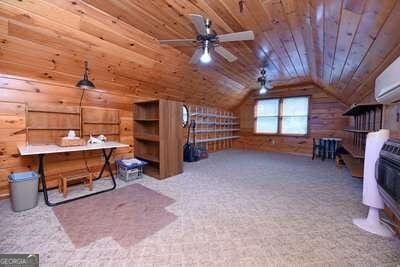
x: 85, y: 83
x: 264, y: 87
x: 206, y: 57
x: 263, y: 90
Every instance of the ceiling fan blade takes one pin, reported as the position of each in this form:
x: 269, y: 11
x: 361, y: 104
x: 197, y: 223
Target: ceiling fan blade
x: 225, y: 53
x: 179, y: 42
x: 199, y: 23
x: 236, y: 36
x: 196, y: 56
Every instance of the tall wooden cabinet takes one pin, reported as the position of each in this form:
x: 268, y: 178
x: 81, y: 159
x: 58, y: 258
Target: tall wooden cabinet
x: 158, y: 137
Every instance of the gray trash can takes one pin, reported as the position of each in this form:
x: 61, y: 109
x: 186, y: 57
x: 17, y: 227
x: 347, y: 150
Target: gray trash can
x: 24, y: 190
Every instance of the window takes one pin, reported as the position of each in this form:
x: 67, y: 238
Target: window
x: 267, y: 112
x: 282, y: 116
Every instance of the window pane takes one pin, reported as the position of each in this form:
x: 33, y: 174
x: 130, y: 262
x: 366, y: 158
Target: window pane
x: 294, y: 125
x: 267, y: 125
x: 295, y: 106
x: 268, y: 107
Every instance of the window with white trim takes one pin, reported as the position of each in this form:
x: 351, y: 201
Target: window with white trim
x: 287, y: 116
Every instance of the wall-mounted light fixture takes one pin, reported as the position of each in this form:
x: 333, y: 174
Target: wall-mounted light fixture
x: 85, y: 83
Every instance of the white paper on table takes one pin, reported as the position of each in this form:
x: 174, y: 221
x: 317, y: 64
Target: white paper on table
x: 375, y: 141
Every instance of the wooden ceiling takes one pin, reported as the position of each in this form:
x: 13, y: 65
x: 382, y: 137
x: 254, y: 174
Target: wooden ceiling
x: 340, y: 45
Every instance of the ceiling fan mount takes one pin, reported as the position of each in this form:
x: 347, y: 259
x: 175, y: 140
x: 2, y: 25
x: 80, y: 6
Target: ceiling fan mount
x: 208, y: 40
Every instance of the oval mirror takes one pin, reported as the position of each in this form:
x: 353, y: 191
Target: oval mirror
x: 185, y: 116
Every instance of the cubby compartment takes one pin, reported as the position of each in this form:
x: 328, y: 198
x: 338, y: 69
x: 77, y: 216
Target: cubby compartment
x: 146, y: 111
x: 147, y: 150
x: 147, y: 130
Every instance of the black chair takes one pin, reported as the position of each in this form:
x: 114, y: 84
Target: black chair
x: 317, y: 148
x: 325, y: 148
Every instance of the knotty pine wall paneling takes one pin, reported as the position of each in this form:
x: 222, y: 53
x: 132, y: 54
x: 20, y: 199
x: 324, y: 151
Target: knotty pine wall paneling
x: 18, y: 95
x: 325, y: 120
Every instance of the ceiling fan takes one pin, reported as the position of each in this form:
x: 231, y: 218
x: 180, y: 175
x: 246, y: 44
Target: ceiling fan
x: 207, y: 40
x: 265, y: 86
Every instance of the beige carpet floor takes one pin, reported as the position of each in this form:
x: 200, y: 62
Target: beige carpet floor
x: 237, y: 208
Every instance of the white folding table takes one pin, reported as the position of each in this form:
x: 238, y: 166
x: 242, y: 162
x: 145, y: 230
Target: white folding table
x: 42, y: 150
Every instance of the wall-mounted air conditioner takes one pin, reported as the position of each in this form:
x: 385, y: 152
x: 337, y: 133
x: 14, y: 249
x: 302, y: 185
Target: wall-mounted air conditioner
x: 387, y: 84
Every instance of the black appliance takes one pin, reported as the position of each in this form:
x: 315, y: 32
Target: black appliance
x: 388, y: 175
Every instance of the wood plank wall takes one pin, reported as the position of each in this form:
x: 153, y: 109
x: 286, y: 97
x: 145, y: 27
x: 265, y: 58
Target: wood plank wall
x: 17, y: 93
x: 325, y: 121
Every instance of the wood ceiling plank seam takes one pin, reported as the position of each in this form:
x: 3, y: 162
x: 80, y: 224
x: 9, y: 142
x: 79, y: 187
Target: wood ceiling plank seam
x: 124, y: 29
x: 281, y: 53
x: 333, y: 20
x: 344, y: 85
x: 227, y: 8
x: 251, y: 20
x: 222, y: 11
x: 336, y: 43
x: 141, y: 22
x: 199, y: 8
x: 291, y: 17
x: 286, y: 37
x: 181, y: 23
x: 303, y: 11
x: 390, y: 57
x: 144, y: 15
x: 388, y: 38
x: 317, y: 24
x: 85, y: 10
x: 270, y: 55
x: 353, y: 38
x: 277, y: 46
x: 350, y: 22
x: 103, y: 33
x: 100, y: 45
x: 299, y: 26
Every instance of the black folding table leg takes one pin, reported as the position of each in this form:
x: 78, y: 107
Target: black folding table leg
x: 106, y: 164
x: 43, y: 179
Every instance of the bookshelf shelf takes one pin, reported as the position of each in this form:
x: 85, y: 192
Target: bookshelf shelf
x: 215, y: 129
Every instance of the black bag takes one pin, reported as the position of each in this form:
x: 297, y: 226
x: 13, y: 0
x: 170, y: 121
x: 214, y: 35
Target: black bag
x: 203, y: 153
x: 188, y: 148
x: 191, y: 153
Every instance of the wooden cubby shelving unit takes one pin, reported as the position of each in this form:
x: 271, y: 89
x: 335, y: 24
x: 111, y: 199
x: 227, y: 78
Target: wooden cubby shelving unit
x: 158, y: 137
x: 366, y: 118
x: 215, y: 129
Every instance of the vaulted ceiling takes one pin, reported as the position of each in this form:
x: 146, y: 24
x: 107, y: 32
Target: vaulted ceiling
x: 341, y: 45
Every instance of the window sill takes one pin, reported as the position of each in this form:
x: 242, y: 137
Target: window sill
x: 282, y: 135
